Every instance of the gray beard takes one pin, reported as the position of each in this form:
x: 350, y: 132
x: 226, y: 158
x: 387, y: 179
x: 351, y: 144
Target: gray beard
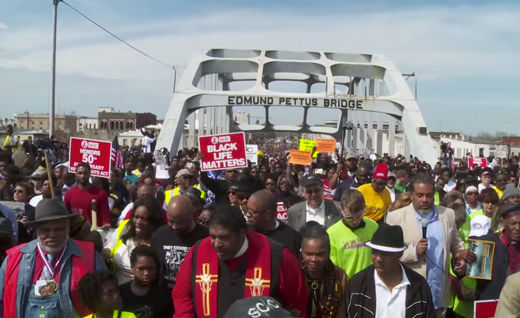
x: 423, y: 212
x: 52, y: 250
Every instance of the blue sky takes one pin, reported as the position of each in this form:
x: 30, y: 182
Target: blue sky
x: 465, y: 53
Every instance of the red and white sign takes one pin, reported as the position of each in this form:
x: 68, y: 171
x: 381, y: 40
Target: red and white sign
x: 94, y: 152
x: 281, y: 212
x: 485, y: 308
x: 481, y: 162
x: 223, y: 152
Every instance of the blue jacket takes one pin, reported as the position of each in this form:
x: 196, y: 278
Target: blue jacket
x: 25, y: 274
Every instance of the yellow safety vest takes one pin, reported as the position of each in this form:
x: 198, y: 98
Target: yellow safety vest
x: 169, y: 194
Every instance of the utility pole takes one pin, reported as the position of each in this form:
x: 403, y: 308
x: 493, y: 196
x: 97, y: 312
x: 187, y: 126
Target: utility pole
x: 53, y: 72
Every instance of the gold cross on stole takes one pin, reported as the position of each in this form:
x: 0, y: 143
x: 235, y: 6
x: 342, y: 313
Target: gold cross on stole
x: 257, y: 284
x: 205, y: 281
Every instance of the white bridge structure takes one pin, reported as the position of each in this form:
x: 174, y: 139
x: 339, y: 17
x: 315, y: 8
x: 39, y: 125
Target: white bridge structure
x: 373, y: 107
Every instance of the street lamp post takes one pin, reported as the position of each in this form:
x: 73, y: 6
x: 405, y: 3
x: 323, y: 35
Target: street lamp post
x: 53, y: 72
x: 347, y: 126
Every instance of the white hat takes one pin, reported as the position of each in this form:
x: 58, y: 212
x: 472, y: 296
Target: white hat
x: 480, y: 226
x: 471, y: 189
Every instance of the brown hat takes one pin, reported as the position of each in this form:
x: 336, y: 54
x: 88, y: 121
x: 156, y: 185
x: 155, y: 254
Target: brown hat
x: 51, y: 210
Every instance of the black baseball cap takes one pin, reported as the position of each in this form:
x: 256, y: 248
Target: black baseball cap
x: 257, y: 307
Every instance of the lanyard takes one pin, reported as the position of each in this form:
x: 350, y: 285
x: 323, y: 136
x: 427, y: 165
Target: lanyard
x: 46, y: 262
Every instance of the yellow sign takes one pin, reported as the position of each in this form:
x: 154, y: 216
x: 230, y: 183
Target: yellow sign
x: 307, y: 145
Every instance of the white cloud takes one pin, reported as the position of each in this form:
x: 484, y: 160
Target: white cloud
x: 438, y: 43
x: 434, y: 42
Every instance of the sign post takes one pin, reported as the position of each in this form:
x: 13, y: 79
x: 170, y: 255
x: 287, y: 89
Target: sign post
x: 223, y: 152
x: 94, y: 152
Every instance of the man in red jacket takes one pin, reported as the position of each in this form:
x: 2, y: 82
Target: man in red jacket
x: 79, y: 198
x: 41, y: 278
x: 234, y: 263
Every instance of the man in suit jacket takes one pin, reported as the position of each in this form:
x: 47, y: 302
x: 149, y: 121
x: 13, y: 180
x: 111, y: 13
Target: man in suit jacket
x: 314, y: 208
x: 431, y: 234
x: 509, y: 303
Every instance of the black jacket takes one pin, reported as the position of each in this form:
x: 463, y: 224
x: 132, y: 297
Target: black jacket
x: 490, y: 289
x: 360, y: 299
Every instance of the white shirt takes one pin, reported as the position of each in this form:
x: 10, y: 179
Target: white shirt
x: 482, y: 187
x: 125, y: 211
x: 391, y: 304
x: 147, y: 143
x: 317, y: 214
x: 35, y: 200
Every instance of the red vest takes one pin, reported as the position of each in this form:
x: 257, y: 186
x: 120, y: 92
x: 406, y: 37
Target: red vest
x: 257, y: 276
x: 80, y: 267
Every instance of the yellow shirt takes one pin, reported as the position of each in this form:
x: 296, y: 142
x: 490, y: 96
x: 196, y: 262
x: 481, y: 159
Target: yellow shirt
x: 499, y: 192
x: 124, y: 314
x: 376, y: 203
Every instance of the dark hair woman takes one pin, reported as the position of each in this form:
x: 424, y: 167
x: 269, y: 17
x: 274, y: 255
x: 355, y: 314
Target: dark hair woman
x: 147, y: 216
x: 326, y: 283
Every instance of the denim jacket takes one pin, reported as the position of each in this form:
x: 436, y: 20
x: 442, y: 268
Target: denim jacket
x: 24, y: 285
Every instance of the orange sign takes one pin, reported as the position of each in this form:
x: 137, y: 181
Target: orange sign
x: 298, y: 157
x: 326, y: 145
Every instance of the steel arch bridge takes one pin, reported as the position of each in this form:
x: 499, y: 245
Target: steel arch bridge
x: 368, y: 90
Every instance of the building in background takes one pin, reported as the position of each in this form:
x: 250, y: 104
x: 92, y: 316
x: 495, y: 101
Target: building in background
x: 464, y: 147
x: 116, y: 121
x: 87, y: 123
x: 63, y: 123
x: 514, y: 145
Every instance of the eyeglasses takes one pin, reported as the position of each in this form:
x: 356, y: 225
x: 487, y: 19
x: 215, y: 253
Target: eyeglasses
x: 472, y: 193
x: 269, y: 184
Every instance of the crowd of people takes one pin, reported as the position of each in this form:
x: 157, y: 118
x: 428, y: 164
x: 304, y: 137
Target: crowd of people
x: 346, y: 237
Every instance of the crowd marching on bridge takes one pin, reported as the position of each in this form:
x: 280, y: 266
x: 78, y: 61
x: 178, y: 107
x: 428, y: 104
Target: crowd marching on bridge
x: 348, y: 236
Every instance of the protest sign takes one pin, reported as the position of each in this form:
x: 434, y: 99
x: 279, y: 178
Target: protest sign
x: 307, y: 145
x: 223, y: 152
x: 485, y: 308
x: 252, y: 154
x: 481, y: 162
x: 161, y: 166
x: 326, y: 145
x: 281, y: 212
x: 298, y: 157
x: 482, y: 268
x: 17, y: 207
x: 94, y: 152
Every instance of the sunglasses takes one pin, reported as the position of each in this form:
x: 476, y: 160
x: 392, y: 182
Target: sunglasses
x: 313, y: 191
x: 352, y: 218
x: 472, y: 193
x: 269, y: 183
x: 243, y: 196
x: 18, y: 191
